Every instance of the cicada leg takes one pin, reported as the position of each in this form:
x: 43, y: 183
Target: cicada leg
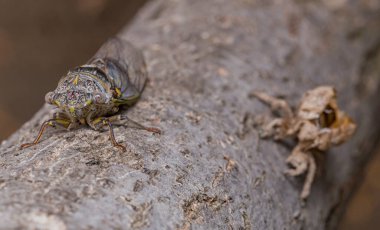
x: 123, y: 120
x: 277, y: 105
x: 119, y: 120
x: 112, y: 137
x: 98, y: 123
x: 309, y: 177
x: 53, y: 123
x: 302, y: 162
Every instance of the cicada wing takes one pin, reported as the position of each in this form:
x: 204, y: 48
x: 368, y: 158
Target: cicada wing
x: 124, y: 65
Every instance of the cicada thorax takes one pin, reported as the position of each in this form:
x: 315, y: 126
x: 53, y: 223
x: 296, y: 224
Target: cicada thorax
x: 84, y: 92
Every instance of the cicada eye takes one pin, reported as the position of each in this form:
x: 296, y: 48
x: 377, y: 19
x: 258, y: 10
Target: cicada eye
x: 49, y: 97
x: 327, y: 117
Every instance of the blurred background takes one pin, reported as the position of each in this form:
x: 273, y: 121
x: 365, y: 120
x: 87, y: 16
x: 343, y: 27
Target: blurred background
x: 41, y: 39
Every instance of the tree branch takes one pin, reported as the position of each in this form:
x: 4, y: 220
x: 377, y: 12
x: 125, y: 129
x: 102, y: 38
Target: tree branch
x: 208, y: 170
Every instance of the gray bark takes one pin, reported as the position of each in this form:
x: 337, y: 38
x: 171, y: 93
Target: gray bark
x: 208, y: 170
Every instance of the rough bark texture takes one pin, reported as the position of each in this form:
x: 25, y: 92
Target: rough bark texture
x: 208, y: 169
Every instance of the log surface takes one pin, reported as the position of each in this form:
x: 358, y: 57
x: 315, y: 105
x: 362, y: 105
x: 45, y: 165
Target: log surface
x: 209, y: 169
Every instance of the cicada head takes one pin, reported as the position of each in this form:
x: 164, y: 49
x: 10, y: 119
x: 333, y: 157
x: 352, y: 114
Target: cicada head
x: 319, y: 105
x: 78, y: 96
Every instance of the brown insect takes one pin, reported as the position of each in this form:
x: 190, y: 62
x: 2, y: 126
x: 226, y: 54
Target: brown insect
x: 317, y: 124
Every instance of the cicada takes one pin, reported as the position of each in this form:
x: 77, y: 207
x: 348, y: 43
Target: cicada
x: 92, y: 94
x: 318, y: 124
